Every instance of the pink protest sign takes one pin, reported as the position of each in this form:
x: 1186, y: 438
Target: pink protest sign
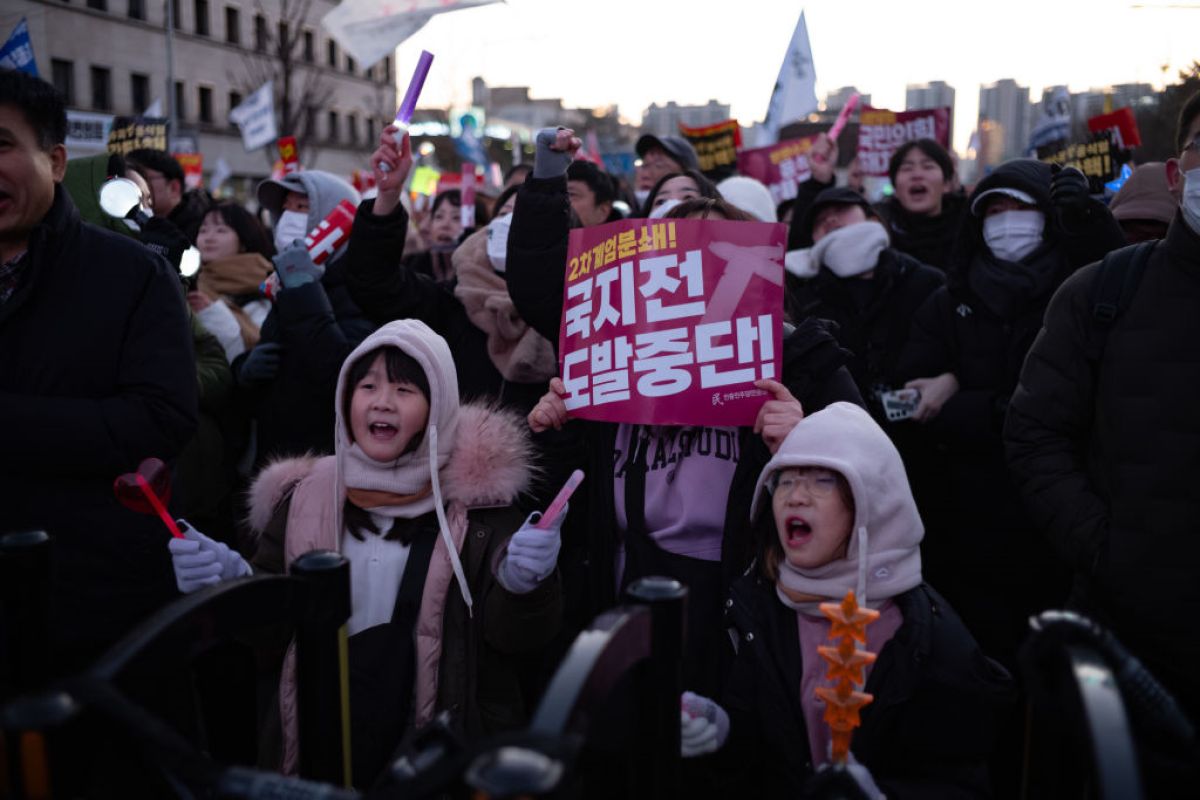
x: 781, y: 167
x: 881, y: 132
x: 670, y: 322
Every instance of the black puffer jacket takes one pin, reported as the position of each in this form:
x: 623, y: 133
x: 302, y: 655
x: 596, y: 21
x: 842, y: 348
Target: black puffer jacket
x: 1105, y: 447
x: 875, y: 332
x: 97, y: 373
x: 928, y: 733
x: 388, y: 290
x: 969, y: 487
x: 318, y: 325
x: 930, y: 240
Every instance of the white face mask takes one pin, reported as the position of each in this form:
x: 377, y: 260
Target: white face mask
x: 641, y: 195
x: 1012, y: 235
x: 1190, y: 204
x: 292, y: 225
x: 851, y: 250
x: 662, y: 210
x: 497, y: 241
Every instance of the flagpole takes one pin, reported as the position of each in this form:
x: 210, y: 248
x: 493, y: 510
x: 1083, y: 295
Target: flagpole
x: 172, y: 111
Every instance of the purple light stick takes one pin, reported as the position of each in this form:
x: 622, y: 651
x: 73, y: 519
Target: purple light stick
x: 409, y: 104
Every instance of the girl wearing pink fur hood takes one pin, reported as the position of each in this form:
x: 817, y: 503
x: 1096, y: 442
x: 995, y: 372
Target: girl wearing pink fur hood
x: 448, y: 581
x: 833, y: 512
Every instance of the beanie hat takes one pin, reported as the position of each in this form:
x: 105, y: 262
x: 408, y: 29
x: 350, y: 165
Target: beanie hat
x: 749, y: 195
x: 1145, y: 195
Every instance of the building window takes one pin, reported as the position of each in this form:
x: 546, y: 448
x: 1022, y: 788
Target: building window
x: 310, y: 49
x: 352, y: 128
x: 333, y: 126
x: 235, y: 100
x: 63, y: 76
x: 387, y: 69
x: 139, y: 91
x: 137, y: 9
x: 99, y: 5
x: 233, y: 25
x: 310, y: 121
x: 202, y: 17
x: 101, y: 88
x: 331, y: 53
x: 370, y: 73
x: 206, y: 108
x: 285, y: 39
x: 177, y: 15
x: 180, y: 104
x: 260, y: 33
x: 350, y: 65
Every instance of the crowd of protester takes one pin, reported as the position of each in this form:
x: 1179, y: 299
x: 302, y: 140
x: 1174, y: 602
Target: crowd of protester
x: 401, y: 403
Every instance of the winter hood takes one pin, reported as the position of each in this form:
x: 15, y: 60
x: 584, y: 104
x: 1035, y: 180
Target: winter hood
x: 325, y: 190
x: 842, y: 437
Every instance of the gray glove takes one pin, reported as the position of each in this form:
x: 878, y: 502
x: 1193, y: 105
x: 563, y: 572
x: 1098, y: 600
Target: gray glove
x: 532, y: 556
x: 295, y: 266
x: 704, y: 726
x: 549, y: 163
x: 261, y: 364
x: 200, y: 561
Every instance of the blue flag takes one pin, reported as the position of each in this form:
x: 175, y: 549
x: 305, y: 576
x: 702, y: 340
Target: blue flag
x: 17, y: 52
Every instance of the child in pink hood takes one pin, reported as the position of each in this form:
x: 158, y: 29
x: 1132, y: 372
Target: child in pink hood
x: 842, y: 517
x: 418, y: 497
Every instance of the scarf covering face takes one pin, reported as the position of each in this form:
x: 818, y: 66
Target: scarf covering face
x: 883, y: 558
x: 518, y: 352
x: 1007, y: 287
x: 852, y: 250
x: 414, y: 475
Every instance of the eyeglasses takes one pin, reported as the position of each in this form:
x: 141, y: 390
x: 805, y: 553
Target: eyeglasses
x: 817, y: 481
x: 1194, y: 144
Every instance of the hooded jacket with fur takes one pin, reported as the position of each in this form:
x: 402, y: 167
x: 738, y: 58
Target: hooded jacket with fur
x: 465, y: 633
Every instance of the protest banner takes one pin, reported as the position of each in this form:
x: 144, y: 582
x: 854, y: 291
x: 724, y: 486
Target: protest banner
x: 256, y: 117
x: 881, y: 132
x: 716, y: 147
x: 780, y: 167
x: 670, y: 322
x: 193, y: 169
x: 87, y: 133
x: 136, y: 133
x: 1097, y: 159
x: 1123, y: 125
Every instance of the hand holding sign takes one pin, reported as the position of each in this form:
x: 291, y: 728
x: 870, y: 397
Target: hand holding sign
x: 778, y: 415
x: 551, y: 411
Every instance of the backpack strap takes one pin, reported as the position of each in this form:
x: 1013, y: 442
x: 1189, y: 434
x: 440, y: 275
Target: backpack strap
x: 1117, y: 281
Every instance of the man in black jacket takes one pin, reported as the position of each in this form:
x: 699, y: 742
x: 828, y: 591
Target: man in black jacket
x: 1104, y: 442
x: 96, y: 374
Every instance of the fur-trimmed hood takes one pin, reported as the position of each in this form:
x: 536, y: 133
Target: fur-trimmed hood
x: 490, y: 464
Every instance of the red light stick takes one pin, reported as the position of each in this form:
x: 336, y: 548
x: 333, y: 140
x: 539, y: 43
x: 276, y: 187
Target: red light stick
x: 138, y: 494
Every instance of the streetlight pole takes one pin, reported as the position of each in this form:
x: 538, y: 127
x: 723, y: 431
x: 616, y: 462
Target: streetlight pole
x: 172, y: 111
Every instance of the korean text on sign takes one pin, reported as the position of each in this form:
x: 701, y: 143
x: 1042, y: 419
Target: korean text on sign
x: 671, y: 322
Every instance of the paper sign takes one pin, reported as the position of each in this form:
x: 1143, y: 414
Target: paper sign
x: 780, y: 167
x: 716, y: 147
x: 1123, y: 125
x: 87, y: 133
x: 1096, y: 159
x: 136, y: 133
x: 881, y: 132
x: 289, y: 155
x: 193, y: 169
x: 425, y: 180
x: 256, y: 117
x: 670, y: 322
x: 331, y: 232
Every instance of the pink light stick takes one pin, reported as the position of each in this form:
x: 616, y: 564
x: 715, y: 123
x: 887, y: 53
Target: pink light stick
x: 843, y: 117
x: 555, y: 510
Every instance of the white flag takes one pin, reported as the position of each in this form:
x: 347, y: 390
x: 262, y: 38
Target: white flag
x: 256, y: 117
x: 221, y: 174
x: 795, y: 94
x: 154, y: 109
x: 369, y: 30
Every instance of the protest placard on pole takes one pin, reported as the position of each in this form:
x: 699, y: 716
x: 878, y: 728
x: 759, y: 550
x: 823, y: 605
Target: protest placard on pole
x: 17, y: 51
x: 136, y: 133
x: 256, y: 117
x: 881, y: 132
x: 193, y: 169
x: 716, y: 147
x: 670, y: 322
x: 1098, y: 160
x: 780, y: 167
x: 1123, y: 125
x: 87, y: 133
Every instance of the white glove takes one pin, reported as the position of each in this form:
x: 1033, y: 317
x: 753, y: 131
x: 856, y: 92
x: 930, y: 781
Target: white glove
x: 200, y: 561
x: 704, y: 726
x: 532, y: 555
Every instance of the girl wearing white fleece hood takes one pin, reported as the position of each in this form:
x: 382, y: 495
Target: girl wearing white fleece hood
x: 844, y: 519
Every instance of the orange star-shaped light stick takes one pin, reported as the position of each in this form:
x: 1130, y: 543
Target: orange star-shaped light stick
x: 845, y: 667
